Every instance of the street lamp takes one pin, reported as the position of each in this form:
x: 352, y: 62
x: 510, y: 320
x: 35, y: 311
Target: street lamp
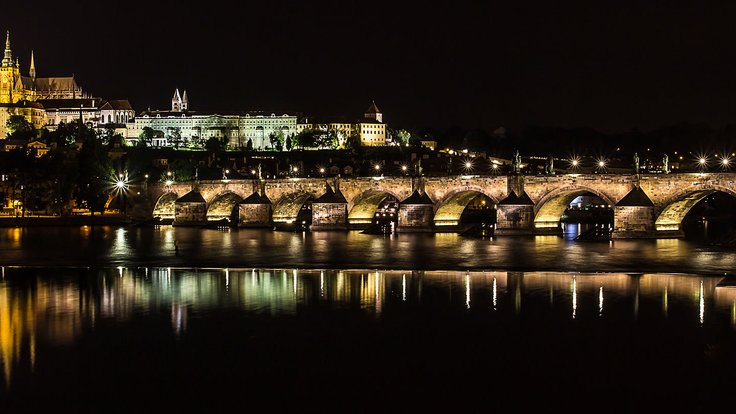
x: 601, y: 164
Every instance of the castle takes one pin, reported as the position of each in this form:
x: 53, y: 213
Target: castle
x: 15, y: 87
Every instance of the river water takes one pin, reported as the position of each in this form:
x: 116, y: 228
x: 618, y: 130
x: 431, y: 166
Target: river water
x: 111, y: 246
x: 113, y: 320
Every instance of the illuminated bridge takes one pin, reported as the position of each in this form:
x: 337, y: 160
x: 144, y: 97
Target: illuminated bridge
x: 645, y: 206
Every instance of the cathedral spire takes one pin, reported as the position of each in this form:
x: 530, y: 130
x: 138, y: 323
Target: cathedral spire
x: 185, y: 101
x: 32, y: 71
x: 8, y: 57
x: 176, y: 101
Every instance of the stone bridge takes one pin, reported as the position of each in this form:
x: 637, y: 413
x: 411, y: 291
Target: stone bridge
x: 645, y: 206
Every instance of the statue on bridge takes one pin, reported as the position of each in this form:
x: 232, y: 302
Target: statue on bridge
x: 516, y: 162
x: 260, y: 173
x: 666, y: 164
x: 549, y: 168
x: 636, y: 163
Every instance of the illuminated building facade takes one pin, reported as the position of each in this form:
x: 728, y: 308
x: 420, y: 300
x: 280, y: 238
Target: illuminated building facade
x: 370, y: 128
x: 15, y: 87
x: 235, y: 129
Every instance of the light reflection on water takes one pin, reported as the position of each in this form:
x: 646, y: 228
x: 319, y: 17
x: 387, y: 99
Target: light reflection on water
x: 58, y: 306
x: 110, y: 246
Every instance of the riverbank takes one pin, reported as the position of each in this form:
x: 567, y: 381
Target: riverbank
x: 72, y: 221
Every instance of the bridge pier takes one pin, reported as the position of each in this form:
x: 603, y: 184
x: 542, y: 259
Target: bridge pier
x: 330, y: 211
x: 190, y: 210
x: 416, y: 214
x: 633, y: 216
x: 255, y: 211
x: 515, y: 215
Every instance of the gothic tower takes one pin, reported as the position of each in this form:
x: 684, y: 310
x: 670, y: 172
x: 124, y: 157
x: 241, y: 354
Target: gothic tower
x: 8, y: 56
x: 32, y: 71
x: 176, y: 104
x: 11, y: 86
x: 185, y: 101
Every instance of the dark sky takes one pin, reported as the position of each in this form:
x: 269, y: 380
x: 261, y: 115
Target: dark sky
x: 611, y: 65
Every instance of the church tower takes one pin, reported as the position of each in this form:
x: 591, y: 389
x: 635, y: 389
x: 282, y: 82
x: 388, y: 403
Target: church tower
x: 8, y: 56
x: 176, y: 103
x: 32, y: 71
x: 11, y: 86
x: 185, y: 101
x: 374, y: 113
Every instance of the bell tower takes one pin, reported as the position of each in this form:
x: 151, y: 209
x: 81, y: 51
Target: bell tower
x: 176, y: 102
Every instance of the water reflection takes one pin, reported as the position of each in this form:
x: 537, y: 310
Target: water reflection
x: 56, y: 307
x: 111, y: 246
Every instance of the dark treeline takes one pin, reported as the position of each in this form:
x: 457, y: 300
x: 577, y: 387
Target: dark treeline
x: 698, y: 138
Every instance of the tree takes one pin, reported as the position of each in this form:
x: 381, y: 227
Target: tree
x: 183, y: 169
x: 175, y: 137
x: 307, y: 138
x: 145, y: 138
x: 95, y: 172
x: 214, y: 145
x: 20, y: 128
x: 249, y: 145
x: 328, y: 140
x: 353, y: 142
x: 402, y: 136
x: 288, y: 144
x: 64, y: 135
x: 277, y: 140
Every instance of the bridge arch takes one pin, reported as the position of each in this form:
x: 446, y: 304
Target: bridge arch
x: 288, y: 208
x: 549, y: 209
x: 224, y: 206
x: 450, y: 210
x: 164, y: 207
x: 367, y: 203
x: 677, y: 208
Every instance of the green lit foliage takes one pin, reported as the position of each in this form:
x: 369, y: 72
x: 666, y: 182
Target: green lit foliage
x: 174, y: 137
x: 402, y: 136
x: 328, y: 140
x: 277, y: 140
x: 20, y: 128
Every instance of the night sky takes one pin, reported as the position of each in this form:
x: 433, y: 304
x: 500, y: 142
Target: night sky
x: 611, y: 65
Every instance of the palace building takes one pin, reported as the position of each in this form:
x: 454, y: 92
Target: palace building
x: 233, y: 128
